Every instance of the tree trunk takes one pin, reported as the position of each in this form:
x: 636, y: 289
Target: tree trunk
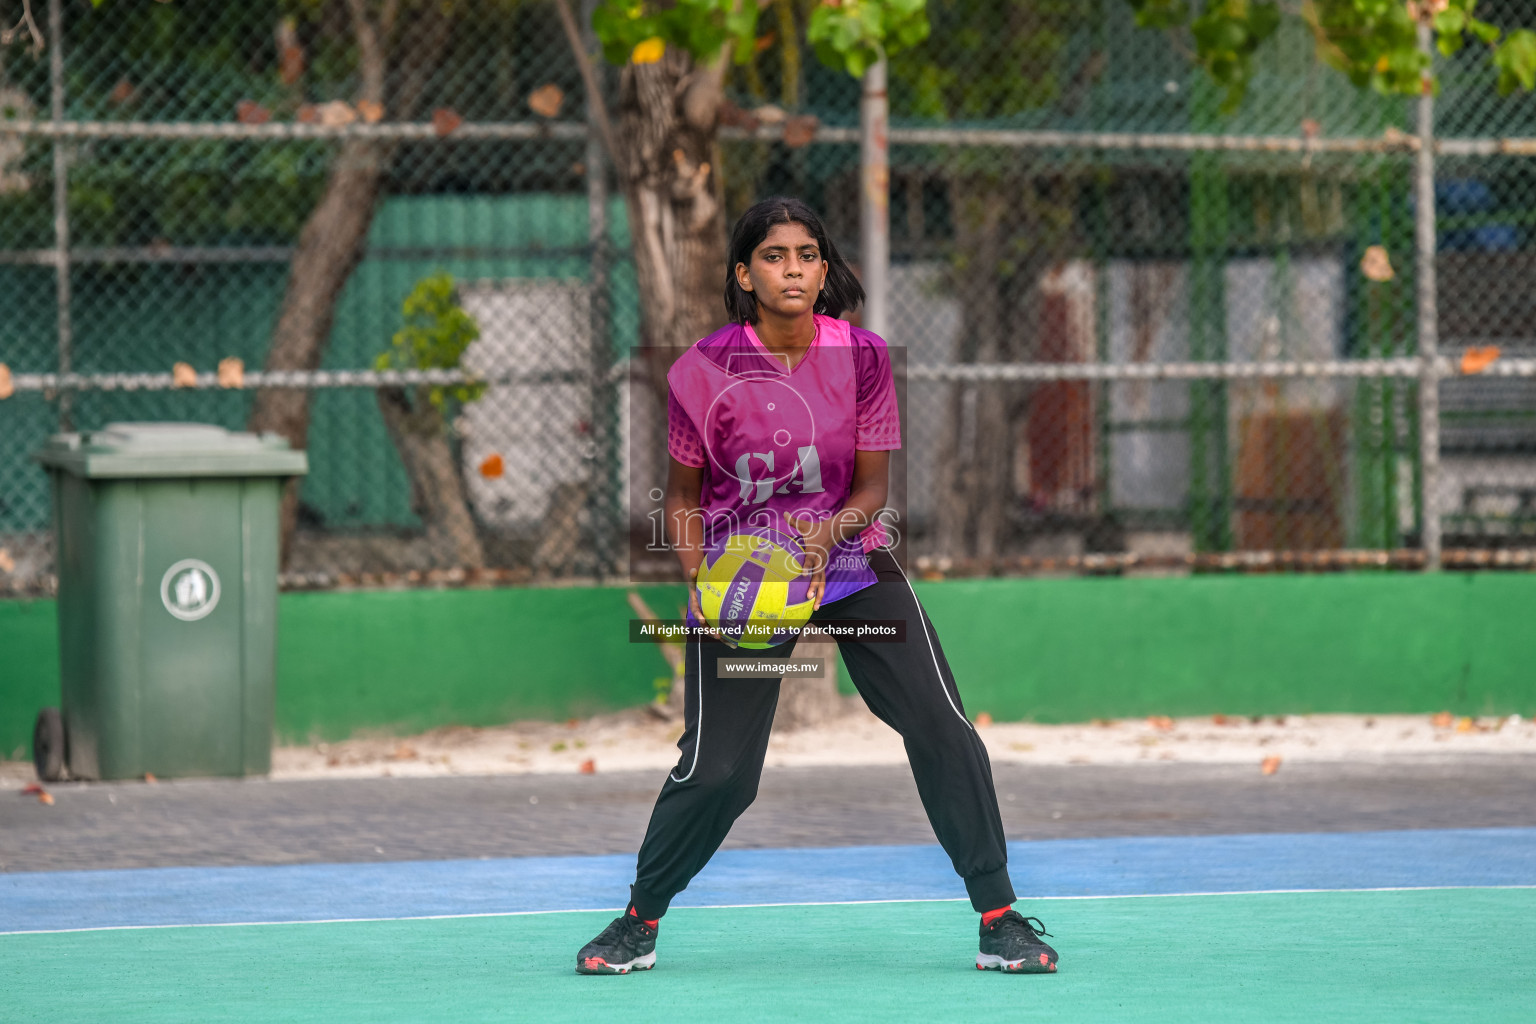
x: 331, y: 242
x: 330, y: 247
x: 417, y: 428
x: 668, y: 170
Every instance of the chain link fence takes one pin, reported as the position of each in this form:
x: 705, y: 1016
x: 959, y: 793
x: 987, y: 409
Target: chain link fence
x: 1139, y: 332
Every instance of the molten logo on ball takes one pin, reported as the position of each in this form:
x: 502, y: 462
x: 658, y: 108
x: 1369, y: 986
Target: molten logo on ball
x: 754, y: 588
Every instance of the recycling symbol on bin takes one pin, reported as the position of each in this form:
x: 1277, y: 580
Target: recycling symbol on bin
x: 190, y: 589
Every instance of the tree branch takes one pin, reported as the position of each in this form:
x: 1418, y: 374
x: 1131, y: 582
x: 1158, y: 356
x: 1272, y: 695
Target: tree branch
x: 588, y: 77
x: 370, y: 53
x: 27, y: 23
x: 416, y: 56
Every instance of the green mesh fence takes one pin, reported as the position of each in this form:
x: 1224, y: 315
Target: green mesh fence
x: 1065, y: 191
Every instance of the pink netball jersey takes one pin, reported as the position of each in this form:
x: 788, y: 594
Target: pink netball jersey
x: 774, y: 441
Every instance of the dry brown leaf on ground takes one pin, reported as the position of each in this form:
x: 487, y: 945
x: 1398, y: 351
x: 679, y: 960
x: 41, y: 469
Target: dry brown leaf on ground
x: 183, y: 376
x: 983, y: 719
x: 446, y: 120
x: 403, y: 752
x: 1478, y: 358
x: 800, y: 131
x: 1270, y: 765
x: 251, y: 112
x: 231, y: 373
x: 492, y: 466
x: 336, y: 113
x: 1442, y: 720
x: 546, y: 100
x: 31, y: 789
x: 1375, y: 265
x: 1162, y: 722
x: 371, y: 111
x: 1464, y: 725
x: 149, y: 777
x: 737, y: 117
x: 588, y: 767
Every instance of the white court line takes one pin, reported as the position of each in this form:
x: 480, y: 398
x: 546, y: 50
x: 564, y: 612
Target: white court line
x: 749, y: 906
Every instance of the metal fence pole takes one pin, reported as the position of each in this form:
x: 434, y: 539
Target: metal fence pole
x: 60, y: 200
x: 1428, y: 314
x: 605, y: 496
x: 875, y: 198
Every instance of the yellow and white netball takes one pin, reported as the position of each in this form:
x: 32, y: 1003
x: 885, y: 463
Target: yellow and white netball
x: 753, y: 587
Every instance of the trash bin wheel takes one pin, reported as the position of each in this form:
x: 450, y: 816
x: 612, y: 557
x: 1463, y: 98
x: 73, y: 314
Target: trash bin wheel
x: 48, y: 745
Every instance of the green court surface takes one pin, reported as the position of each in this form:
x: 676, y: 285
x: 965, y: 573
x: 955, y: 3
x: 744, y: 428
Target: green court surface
x: 1337, y: 957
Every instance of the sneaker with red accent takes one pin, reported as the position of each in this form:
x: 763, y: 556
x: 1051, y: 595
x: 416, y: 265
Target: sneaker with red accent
x: 627, y: 944
x: 1011, y: 943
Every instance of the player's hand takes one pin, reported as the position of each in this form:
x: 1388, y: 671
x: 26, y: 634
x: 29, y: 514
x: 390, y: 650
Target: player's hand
x: 816, y: 539
x: 698, y: 611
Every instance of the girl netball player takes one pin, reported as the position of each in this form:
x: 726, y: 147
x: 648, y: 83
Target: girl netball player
x: 791, y: 413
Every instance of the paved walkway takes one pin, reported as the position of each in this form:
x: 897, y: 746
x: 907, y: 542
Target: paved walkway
x: 231, y: 822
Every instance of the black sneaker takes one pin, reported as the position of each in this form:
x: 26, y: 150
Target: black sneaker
x: 1012, y: 943
x: 628, y: 944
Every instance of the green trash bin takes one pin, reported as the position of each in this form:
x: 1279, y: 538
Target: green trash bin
x: 166, y: 542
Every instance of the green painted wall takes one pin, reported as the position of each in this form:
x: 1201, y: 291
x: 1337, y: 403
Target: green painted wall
x: 415, y: 659
x: 1069, y: 650
x: 29, y: 671
x: 1048, y: 650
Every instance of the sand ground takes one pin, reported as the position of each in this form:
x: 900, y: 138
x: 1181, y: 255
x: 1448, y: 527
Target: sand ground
x: 636, y: 739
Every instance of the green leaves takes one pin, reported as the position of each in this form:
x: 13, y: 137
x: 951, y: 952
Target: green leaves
x: 847, y: 34
x: 1160, y: 14
x: 437, y: 331
x: 1226, y: 34
x: 1374, y: 42
x: 852, y: 34
x: 941, y: 81
x: 701, y: 27
x: 1516, y: 61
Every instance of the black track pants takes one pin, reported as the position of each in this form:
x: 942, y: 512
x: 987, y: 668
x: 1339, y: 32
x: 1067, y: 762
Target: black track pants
x: 907, y: 685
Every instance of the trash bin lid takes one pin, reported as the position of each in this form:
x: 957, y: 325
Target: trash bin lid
x: 171, y: 450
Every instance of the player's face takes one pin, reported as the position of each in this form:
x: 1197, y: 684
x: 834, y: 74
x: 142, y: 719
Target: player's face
x: 786, y: 272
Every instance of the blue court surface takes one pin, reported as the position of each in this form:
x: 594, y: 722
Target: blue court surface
x: 1408, y: 925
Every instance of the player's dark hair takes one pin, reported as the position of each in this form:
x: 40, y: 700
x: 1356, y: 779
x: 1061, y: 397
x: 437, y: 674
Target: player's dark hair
x: 839, y: 292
